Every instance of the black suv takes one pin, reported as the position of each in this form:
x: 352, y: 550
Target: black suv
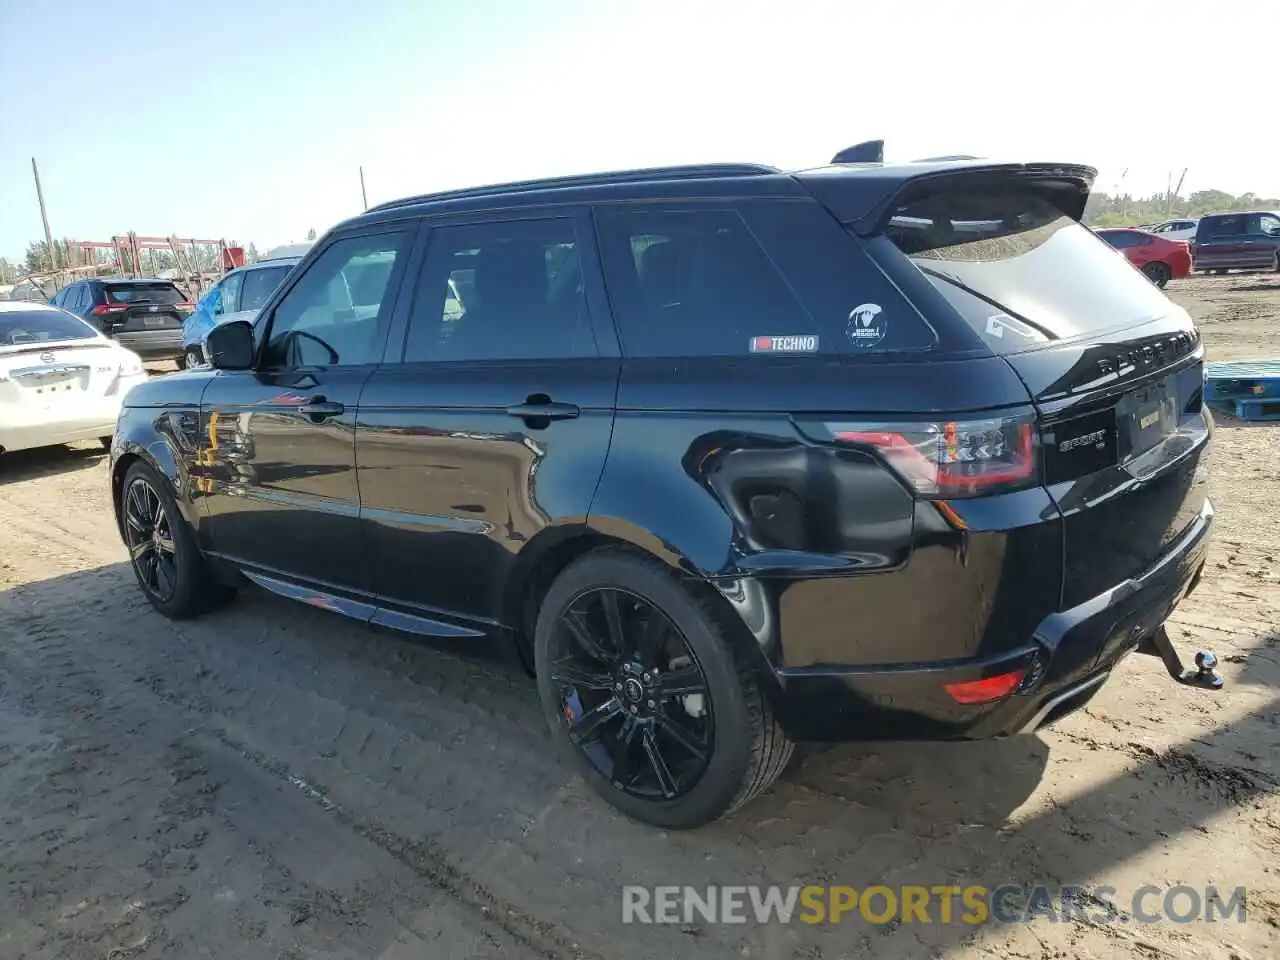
x: 144, y: 315
x: 733, y: 457
x: 1237, y: 241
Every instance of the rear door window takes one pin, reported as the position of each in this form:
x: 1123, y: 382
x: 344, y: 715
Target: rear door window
x: 259, y: 285
x: 1019, y: 270
x: 143, y: 293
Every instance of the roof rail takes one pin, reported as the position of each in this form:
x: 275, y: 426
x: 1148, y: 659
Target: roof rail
x: 688, y: 172
x: 953, y: 156
x: 872, y: 151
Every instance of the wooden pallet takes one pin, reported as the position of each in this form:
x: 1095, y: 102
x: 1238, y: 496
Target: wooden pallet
x: 1252, y: 409
x: 1242, y: 380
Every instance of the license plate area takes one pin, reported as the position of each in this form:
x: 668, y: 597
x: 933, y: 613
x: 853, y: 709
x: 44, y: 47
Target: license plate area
x: 157, y: 320
x: 1145, y: 417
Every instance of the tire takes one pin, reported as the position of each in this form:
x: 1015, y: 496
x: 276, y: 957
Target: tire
x: 1158, y: 273
x: 745, y: 750
x: 180, y: 585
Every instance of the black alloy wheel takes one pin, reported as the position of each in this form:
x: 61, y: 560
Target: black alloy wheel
x: 635, y: 701
x: 153, y: 550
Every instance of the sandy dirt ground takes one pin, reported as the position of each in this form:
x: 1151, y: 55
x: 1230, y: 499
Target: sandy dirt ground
x: 275, y: 781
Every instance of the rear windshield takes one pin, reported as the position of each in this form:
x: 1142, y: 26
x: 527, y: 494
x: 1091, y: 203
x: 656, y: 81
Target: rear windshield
x: 40, y: 326
x: 144, y: 293
x: 1019, y: 270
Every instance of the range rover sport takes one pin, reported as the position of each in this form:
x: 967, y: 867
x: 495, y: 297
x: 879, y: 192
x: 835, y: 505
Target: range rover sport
x: 733, y: 457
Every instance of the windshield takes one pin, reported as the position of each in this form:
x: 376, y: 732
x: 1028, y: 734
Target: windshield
x: 41, y: 326
x: 1010, y: 255
x: 144, y: 293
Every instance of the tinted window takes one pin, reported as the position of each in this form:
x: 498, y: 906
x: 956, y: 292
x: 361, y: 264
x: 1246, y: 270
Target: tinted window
x: 1038, y: 272
x: 1222, y: 226
x: 698, y: 283
x: 338, y: 310
x: 501, y: 291
x: 1269, y: 225
x: 228, y: 300
x: 39, y: 326
x: 143, y: 293
x: 1120, y: 238
x: 78, y: 300
x: 259, y: 285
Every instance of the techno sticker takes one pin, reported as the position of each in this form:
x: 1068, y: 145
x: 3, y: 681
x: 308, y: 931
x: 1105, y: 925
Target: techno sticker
x: 796, y: 343
x: 866, y: 326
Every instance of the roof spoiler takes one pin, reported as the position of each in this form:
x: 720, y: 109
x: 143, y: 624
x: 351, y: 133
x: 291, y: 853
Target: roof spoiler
x: 870, y: 152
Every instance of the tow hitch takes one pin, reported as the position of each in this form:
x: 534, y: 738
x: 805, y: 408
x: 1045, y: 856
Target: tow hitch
x: 1205, y: 675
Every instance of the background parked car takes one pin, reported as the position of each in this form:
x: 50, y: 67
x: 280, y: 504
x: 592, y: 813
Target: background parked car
x: 61, y: 380
x: 144, y: 315
x: 1238, y: 241
x: 1160, y: 259
x: 1184, y: 229
x: 237, y: 296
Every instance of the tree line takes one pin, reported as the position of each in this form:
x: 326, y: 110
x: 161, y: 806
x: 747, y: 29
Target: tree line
x: 1124, y: 210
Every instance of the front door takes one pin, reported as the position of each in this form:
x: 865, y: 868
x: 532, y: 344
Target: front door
x: 488, y: 437
x: 278, y: 465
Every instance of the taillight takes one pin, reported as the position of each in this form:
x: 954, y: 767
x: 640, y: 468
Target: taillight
x: 103, y: 309
x: 987, y: 689
x: 953, y: 458
x: 185, y: 305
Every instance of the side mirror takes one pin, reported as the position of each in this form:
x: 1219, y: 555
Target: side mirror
x: 230, y: 346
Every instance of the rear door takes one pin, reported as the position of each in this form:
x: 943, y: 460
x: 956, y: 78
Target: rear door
x: 1223, y: 242
x: 488, y: 426
x: 1114, y: 367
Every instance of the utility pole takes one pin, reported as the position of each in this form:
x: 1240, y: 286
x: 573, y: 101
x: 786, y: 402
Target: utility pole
x: 1177, y: 191
x: 48, y: 235
x: 363, y: 196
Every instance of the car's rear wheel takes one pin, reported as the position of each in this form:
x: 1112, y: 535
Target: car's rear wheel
x: 639, y: 680
x: 162, y: 550
x: 1158, y: 273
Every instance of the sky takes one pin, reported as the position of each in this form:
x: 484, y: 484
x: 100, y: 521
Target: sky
x: 249, y: 121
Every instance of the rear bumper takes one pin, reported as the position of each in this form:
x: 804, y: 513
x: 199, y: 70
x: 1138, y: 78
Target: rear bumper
x: 40, y: 429
x: 151, y: 344
x: 1068, y: 658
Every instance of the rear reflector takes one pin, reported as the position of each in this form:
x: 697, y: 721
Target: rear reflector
x: 952, y: 459
x: 985, y: 690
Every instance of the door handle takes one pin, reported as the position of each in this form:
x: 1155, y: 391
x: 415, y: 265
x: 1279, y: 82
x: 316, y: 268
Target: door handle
x: 317, y: 408
x: 543, y: 410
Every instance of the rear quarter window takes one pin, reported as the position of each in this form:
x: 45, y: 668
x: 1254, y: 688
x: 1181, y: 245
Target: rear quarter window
x: 758, y: 278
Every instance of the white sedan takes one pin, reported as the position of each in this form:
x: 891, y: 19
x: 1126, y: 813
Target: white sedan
x: 60, y: 379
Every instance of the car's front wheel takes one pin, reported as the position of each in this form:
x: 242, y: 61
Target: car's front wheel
x: 162, y: 550
x: 639, y: 681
